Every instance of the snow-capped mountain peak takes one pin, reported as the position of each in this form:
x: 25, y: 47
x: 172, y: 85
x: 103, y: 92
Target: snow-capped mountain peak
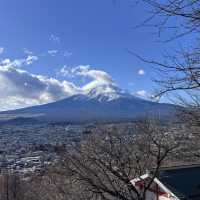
x: 106, y: 93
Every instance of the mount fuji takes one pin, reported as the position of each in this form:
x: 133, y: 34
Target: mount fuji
x: 104, y: 103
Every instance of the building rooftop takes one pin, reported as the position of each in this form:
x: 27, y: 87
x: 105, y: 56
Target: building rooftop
x: 183, y: 182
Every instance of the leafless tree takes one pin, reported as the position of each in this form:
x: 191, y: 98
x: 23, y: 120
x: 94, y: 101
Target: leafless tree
x: 178, y: 75
x: 181, y: 17
x: 179, y: 72
x: 10, y: 186
x: 102, y: 166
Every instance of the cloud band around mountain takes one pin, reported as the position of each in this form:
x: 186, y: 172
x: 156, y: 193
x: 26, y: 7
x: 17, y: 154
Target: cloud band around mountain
x: 20, y: 88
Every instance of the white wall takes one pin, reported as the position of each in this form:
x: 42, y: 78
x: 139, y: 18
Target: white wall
x: 152, y: 196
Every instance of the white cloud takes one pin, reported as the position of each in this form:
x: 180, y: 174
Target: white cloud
x: 142, y: 93
x: 1, y: 50
x: 52, y: 52
x: 54, y: 38
x: 30, y: 59
x: 98, y: 77
x: 65, y: 71
x: 141, y: 72
x: 19, y: 62
x: 14, y: 63
x: 146, y: 95
x: 19, y: 88
x: 6, y: 61
x: 28, y: 52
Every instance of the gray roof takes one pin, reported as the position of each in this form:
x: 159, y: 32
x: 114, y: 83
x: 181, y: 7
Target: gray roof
x: 183, y: 182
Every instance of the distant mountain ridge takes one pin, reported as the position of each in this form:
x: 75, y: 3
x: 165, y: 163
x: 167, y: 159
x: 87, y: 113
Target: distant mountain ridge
x: 104, y: 103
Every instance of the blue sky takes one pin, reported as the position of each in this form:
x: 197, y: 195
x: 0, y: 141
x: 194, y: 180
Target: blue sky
x: 43, y: 36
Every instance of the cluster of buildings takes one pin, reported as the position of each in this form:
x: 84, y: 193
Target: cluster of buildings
x: 31, y: 147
